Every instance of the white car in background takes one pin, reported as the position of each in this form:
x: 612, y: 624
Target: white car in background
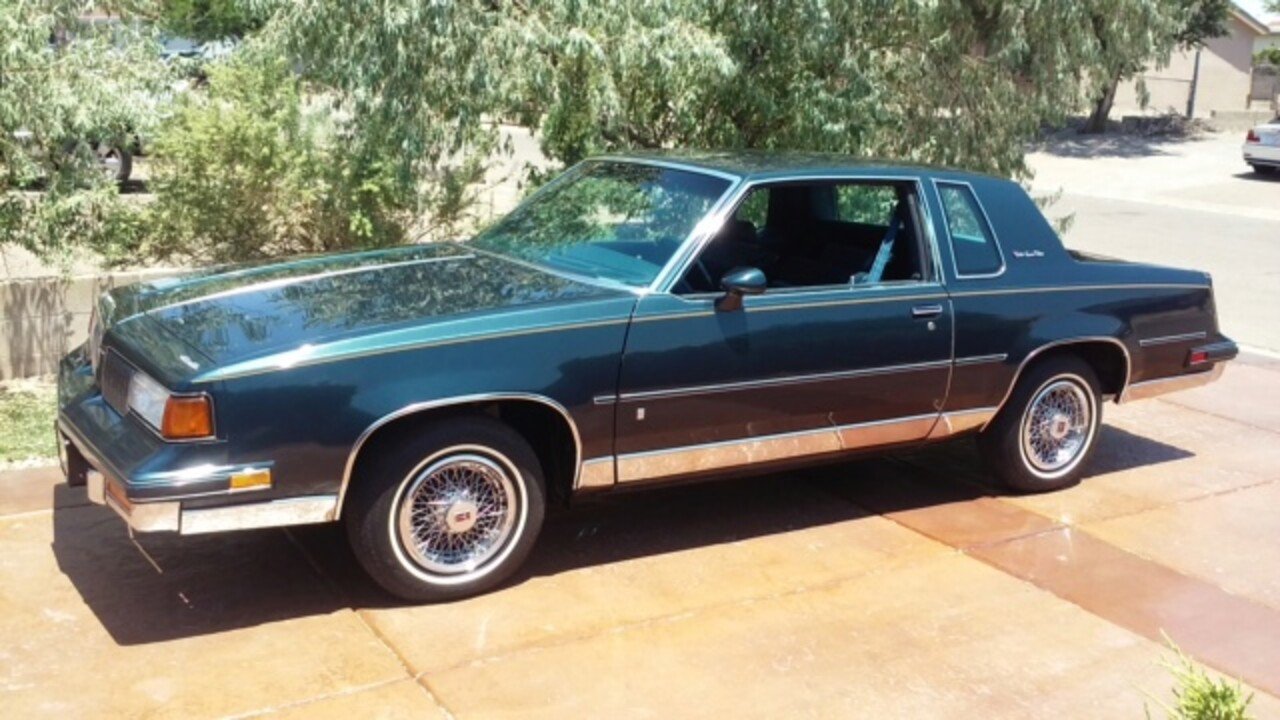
x: 1262, y: 147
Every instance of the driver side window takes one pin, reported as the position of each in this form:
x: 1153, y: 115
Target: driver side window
x: 820, y: 234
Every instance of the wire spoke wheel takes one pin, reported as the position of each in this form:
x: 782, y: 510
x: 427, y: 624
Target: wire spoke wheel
x: 1057, y: 426
x: 457, y: 514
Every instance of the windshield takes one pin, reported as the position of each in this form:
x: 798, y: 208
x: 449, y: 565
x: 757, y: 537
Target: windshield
x: 615, y: 221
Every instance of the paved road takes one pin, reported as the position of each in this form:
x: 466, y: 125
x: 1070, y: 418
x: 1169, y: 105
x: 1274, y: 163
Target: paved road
x: 898, y: 587
x: 1242, y: 254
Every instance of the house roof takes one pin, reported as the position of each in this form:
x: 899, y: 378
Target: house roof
x: 1250, y: 21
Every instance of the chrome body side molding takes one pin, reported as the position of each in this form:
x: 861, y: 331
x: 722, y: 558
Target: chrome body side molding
x: 690, y: 459
x: 595, y: 473
x: 1170, y: 339
x: 779, y: 381
x: 1161, y: 386
x: 958, y: 421
x: 725, y: 455
x: 450, y: 402
x: 981, y: 359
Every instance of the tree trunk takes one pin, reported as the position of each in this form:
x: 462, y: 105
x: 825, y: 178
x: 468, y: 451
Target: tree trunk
x: 1097, y: 122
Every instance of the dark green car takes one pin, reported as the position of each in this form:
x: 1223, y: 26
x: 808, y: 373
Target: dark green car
x: 639, y: 320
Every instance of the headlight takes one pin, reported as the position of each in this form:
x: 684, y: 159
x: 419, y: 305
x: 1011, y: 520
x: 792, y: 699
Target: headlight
x: 148, y: 398
x: 175, y: 417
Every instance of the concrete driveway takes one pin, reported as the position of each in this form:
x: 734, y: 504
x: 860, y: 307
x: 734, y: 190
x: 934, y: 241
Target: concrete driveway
x: 895, y: 587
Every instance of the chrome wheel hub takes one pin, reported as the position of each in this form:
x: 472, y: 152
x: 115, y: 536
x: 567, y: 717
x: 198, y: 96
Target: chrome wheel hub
x: 1057, y: 426
x: 461, y: 516
x: 457, y: 514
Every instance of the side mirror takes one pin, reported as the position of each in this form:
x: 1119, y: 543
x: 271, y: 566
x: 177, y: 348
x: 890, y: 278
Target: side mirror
x: 738, y: 282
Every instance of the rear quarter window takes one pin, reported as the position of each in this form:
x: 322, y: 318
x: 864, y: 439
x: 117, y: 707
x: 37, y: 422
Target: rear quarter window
x: 973, y: 243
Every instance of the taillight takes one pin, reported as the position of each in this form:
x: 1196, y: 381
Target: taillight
x: 1198, y: 357
x: 1252, y: 137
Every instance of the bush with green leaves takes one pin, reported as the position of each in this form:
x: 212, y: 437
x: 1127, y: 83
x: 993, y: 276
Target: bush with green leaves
x: 68, y: 86
x: 1196, y: 696
x: 254, y: 167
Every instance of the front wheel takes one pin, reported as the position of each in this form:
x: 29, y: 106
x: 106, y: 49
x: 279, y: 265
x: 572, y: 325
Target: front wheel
x: 449, y: 513
x: 1044, y: 435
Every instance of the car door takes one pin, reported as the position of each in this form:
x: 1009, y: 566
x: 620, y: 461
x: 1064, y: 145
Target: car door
x: 797, y: 372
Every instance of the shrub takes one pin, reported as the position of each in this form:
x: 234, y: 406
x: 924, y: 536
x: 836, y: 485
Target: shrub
x: 92, y: 84
x: 254, y: 168
x: 1198, y: 696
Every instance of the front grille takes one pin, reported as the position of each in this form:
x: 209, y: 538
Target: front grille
x: 114, y: 381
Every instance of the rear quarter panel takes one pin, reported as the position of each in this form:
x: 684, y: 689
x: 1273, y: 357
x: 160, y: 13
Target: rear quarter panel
x: 1045, y: 296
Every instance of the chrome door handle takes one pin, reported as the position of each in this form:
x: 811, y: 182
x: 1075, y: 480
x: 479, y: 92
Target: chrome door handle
x: 926, y: 311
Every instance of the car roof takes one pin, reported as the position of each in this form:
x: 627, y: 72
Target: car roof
x: 760, y: 165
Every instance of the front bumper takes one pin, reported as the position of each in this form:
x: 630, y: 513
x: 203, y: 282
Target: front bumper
x: 173, y: 517
x: 164, y: 487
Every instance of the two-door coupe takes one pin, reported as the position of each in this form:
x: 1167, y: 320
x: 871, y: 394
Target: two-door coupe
x: 641, y: 319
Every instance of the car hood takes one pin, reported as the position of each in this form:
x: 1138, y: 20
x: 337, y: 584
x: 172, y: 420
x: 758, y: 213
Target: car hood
x: 236, y: 315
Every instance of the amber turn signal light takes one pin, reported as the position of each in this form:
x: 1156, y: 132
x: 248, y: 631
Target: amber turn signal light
x: 250, y: 480
x: 187, y: 418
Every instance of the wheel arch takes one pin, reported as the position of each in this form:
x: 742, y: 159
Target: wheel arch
x: 1107, y: 355
x: 526, y: 413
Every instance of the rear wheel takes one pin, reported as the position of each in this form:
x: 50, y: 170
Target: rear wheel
x: 1264, y: 169
x: 450, y: 513
x: 116, y: 163
x: 1047, y: 430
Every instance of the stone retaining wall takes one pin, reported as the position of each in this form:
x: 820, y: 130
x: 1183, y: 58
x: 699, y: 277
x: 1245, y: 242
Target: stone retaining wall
x: 41, y: 319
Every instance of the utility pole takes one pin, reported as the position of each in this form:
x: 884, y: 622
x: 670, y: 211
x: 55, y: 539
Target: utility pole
x: 1195, y: 82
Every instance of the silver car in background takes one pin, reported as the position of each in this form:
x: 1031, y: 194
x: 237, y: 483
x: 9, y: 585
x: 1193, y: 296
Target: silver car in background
x: 1262, y: 147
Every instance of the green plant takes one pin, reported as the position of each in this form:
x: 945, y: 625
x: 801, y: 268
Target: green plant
x: 68, y: 85
x: 255, y: 167
x: 1196, y: 696
x: 1267, y: 56
x: 27, y: 410
x: 954, y: 83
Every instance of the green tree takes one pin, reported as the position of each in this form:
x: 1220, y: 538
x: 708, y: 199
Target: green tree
x: 67, y: 87
x: 417, y: 80
x: 963, y: 82
x: 1149, y: 31
x: 254, y: 167
x: 211, y: 19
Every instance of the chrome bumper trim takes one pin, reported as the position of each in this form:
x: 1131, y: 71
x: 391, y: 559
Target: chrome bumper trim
x: 277, y: 513
x: 1155, y: 388
x: 169, y: 516
x: 140, y: 517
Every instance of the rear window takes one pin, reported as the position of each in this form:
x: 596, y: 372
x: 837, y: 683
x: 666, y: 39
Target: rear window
x: 973, y: 244
x: 866, y: 204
